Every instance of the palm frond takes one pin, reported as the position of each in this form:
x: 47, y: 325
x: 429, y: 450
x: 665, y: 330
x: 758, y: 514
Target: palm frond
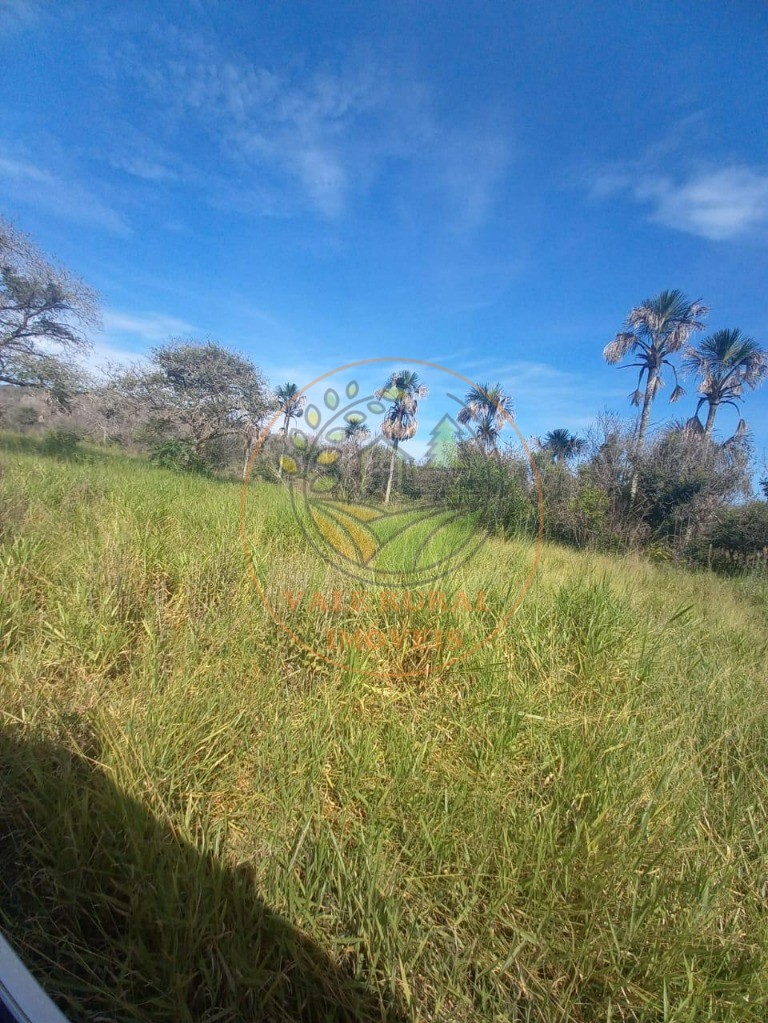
x: 561, y: 445
x: 726, y: 362
x: 404, y: 390
x: 617, y: 349
x: 694, y: 427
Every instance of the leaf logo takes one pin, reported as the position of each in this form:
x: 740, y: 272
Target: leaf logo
x: 382, y: 545
x: 398, y: 547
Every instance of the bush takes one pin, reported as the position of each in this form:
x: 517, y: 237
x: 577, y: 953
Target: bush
x: 497, y: 488
x: 26, y: 415
x: 154, y: 432
x: 736, y: 539
x: 62, y: 444
x: 179, y: 454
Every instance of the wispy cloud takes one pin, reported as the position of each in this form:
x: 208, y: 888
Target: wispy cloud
x: 471, y: 171
x: 104, y: 356
x: 720, y: 205
x: 29, y: 184
x: 546, y: 397
x: 146, y: 326
x: 126, y: 338
x: 293, y: 137
x: 131, y: 151
x: 725, y: 204
x: 148, y: 170
x: 18, y: 14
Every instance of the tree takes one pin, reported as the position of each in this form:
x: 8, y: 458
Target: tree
x: 103, y: 411
x: 735, y: 538
x: 683, y: 482
x: 405, y: 391
x: 207, y: 391
x: 656, y: 329
x: 355, y: 430
x: 355, y: 460
x: 485, y: 410
x: 44, y: 311
x: 291, y: 404
x: 562, y: 446
x: 726, y: 362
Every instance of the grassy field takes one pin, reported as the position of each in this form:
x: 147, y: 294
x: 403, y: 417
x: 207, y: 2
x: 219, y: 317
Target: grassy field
x: 202, y: 820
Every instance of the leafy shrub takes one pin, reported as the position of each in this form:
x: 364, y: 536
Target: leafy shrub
x: 26, y: 415
x: 179, y: 454
x: 62, y: 444
x: 497, y: 488
x: 154, y: 432
x: 737, y: 538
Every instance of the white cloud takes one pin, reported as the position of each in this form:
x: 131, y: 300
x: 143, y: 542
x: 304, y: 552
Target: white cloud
x: 147, y: 326
x: 131, y: 151
x: 727, y: 204
x: 291, y: 137
x: 148, y: 170
x: 31, y: 185
x: 719, y: 205
x: 127, y: 336
x: 104, y: 354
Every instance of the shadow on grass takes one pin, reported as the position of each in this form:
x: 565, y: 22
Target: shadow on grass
x: 121, y: 920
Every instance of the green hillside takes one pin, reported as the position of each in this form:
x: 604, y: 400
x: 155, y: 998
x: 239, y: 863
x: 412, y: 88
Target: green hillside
x: 202, y: 820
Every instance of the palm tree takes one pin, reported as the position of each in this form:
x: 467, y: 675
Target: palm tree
x: 561, y: 445
x: 487, y: 408
x: 727, y: 362
x: 355, y: 434
x: 355, y: 429
x: 657, y: 328
x: 404, y: 390
x: 291, y: 404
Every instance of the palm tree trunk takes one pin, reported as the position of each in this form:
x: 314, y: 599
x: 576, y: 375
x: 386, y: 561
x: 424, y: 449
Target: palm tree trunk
x: 645, y: 415
x: 391, y: 471
x: 642, y: 429
x: 365, y: 464
x: 709, y: 425
x: 282, y: 453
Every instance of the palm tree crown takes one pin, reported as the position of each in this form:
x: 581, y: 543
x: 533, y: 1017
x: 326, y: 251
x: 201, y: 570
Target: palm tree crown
x: 726, y: 362
x: 486, y: 408
x: 291, y: 404
x: 656, y: 329
x: 404, y: 391
x: 355, y: 429
x: 561, y: 445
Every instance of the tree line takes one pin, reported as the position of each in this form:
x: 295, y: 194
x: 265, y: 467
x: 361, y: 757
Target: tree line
x: 196, y: 405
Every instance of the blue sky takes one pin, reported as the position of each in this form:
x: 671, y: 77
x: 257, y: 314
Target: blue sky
x: 490, y: 186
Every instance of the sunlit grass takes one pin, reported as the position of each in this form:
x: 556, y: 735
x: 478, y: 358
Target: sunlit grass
x: 567, y: 824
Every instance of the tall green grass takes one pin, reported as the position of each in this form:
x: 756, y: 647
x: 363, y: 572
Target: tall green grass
x: 202, y: 820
